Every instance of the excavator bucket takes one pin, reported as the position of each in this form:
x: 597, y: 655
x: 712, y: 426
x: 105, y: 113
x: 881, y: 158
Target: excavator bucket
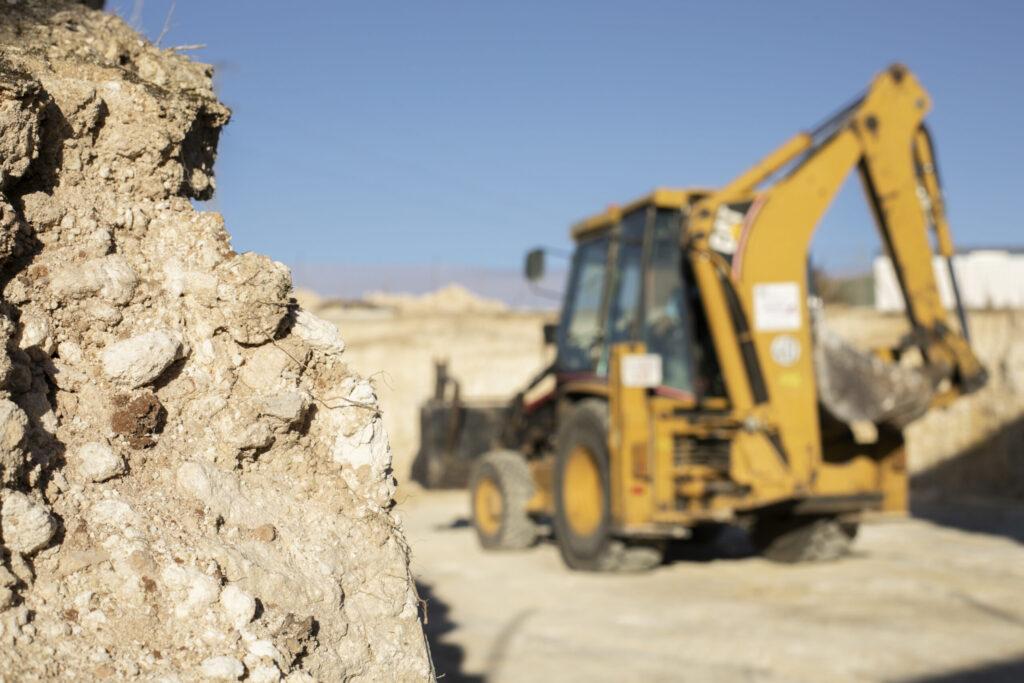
x: 453, y: 433
x: 861, y: 387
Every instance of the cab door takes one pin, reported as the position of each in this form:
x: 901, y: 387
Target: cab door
x: 624, y: 360
x: 581, y: 332
x: 649, y: 300
x: 653, y: 361
x: 625, y: 301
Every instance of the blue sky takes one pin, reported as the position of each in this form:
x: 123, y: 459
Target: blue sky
x: 464, y: 133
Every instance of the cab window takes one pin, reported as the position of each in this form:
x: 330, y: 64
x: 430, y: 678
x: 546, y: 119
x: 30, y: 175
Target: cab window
x: 624, y: 312
x: 579, y: 346
x: 667, y: 326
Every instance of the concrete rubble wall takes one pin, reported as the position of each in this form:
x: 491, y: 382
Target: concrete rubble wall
x: 193, y: 485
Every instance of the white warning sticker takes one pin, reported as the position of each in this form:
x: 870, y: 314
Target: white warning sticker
x: 641, y: 370
x: 725, y: 231
x: 777, y: 306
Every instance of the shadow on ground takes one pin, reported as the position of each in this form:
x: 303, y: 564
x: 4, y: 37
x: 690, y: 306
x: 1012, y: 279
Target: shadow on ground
x: 980, y: 489
x: 1007, y: 671
x: 450, y: 659
x: 710, y: 543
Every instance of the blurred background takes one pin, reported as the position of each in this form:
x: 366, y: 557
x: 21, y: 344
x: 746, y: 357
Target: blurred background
x: 402, y: 157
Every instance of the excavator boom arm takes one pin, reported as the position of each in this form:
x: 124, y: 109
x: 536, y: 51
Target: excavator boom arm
x: 748, y: 245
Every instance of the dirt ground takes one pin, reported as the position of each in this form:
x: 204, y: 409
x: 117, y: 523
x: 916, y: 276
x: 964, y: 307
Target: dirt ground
x: 917, y: 601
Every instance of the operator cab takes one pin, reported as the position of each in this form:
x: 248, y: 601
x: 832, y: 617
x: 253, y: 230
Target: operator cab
x: 629, y: 282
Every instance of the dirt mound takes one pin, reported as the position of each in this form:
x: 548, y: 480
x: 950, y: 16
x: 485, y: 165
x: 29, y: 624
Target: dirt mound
x: 452, y: 298
x: 193, y: 485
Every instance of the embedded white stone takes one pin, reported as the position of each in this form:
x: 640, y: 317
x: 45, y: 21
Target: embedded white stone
x: 192, y: 478
x: 27, y: 525
x: 239, y: 607
x: 141, y: 359
x: 13, y: 423
x: 264, y: 648
x: 110, y: 277
x: 285, y: 405
x: 318, y: 333
x: 113, y: 513
x: 36, y: 334
x: 98, y: 462
x: 196, y: 590
x: 222, y: 668
x: 264, y: 673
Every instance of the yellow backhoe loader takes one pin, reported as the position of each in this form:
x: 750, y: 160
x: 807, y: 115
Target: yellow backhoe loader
x: 693, y: 384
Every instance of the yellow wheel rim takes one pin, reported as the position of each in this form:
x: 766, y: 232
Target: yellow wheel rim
x: 582, y: 493
x: 487, y: 506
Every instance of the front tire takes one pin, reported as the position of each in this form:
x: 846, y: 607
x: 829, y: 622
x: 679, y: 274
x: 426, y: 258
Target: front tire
x: 500, y: 487
x: 582, y: 518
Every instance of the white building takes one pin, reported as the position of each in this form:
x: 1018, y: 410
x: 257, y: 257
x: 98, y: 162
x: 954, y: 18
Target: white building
x: 988, y: 278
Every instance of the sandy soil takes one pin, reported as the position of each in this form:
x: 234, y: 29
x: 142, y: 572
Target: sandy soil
x: 916, y: 602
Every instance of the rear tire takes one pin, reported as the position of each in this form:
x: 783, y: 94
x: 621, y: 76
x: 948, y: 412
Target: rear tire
x: 582, y: 517
x: 500, y: 488
x: 795, y: 538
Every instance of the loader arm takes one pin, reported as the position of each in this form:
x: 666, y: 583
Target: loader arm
x: 748, y: 245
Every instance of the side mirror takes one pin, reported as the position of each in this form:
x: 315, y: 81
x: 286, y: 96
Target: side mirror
x: 534, y: 268
x: 550, y: 333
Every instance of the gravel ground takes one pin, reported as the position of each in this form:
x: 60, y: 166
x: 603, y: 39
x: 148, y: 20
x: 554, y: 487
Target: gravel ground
x: 916, y: 601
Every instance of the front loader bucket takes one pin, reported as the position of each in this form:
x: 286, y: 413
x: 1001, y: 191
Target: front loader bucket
x: 453, y: 433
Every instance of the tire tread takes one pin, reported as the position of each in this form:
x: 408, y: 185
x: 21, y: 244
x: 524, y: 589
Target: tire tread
x: 512, y: 474
x: 794, y: 539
